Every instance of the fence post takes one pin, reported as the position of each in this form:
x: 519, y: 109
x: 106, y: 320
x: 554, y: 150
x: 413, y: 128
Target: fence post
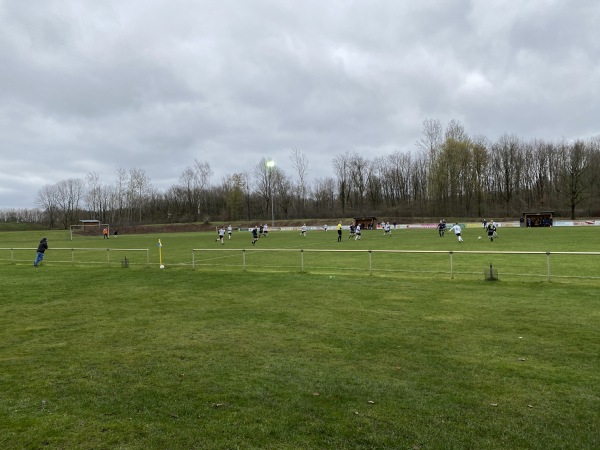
x: 244, y: 259
x: 451, y: 269
x: 193, y: 259
x: 548, y: 262
x: 301, y: 260
x: 147, y: 259
x: 370, y: 262
x: 108, y: 256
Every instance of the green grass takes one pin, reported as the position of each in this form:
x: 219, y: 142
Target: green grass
x: 95, y: 356
x: 320, y: 252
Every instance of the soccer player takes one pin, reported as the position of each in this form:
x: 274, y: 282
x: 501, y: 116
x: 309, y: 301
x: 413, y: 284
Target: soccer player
x: 494, y: 226
x: 229, y: 230
x: 387, y: 229
x: 490, y: 231
x: 254, y: 234
x: 303, y: 230
x: 351, y: 235
x: 442, y: 228
x: 265, y: 230
x: 221, y: 234
x: 457, y: 231
x: 357, y: 237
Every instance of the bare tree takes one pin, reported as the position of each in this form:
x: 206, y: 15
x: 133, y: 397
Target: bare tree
x: 202, y: 174
x: 47, y: 199
x: 300, y: 163
x: 507, y: 166
x: 69, y: 194
x: 576, y: 175
x: 341, y: 166
x: 190, y: 192
x: 283, y: 190
x: 263, y: 178
x: 480, y: 170
x: 233, y: 186
x: 324, y: 197
x: 432, y: 139
x: 456, y: 131
x: 120, y: 193
x: 138, y: 189
x: 93, y: 193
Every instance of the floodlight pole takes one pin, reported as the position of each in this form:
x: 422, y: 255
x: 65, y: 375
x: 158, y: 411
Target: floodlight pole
x: 271, y: 165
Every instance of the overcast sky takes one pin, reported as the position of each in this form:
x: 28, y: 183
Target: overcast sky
x: 97, y: 85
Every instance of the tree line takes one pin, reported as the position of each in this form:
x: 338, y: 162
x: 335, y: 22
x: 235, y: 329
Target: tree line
x: 451, y: 174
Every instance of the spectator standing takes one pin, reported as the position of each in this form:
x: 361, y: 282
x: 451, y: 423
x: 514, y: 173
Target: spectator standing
x: 41, y: 250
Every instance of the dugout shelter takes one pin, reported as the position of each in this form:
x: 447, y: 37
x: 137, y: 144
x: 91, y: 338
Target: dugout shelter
x: 366, y: 223
x: 537, y: 219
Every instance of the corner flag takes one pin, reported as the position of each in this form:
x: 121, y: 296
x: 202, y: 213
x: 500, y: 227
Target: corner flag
x: 160, y: 252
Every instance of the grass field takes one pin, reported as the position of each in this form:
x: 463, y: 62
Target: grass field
x: 93, y: 355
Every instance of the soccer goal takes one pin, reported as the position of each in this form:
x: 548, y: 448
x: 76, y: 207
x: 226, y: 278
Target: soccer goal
x: 88, y: 228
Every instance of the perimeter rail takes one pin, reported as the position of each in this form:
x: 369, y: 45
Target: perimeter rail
x: 370, y: 254
x: 73, y: 251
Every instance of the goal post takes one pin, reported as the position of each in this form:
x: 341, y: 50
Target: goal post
x: 74, y: 227
x: 82, y: 227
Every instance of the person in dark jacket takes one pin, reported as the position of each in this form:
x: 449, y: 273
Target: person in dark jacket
x: 40, y: 251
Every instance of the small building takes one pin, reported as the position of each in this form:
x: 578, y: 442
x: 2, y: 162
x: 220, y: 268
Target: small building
x: 537, y: 219
x: 89, y: 223
x: 366, y: 223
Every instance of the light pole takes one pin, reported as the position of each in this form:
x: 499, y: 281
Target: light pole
x: 271, y: 166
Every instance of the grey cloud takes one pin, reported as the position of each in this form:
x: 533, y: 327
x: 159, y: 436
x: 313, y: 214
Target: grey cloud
x: 156, y: 84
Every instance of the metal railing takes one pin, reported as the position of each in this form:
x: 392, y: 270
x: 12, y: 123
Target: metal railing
x: 75, y: 251
x: 371, y: 253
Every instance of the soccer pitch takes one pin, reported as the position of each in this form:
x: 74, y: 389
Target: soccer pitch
x: 93, y: 355
x: 533, y: 254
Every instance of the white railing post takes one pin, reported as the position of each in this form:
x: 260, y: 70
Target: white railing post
x: 451, y: 268
x: 548, y: 262
x: 301, y: 260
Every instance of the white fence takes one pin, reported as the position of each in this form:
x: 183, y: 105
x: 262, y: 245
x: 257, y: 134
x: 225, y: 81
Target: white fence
x: 511, y: 263
x: 81, y: 255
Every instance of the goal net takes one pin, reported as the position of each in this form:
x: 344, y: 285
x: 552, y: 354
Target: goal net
x: 87, y: 230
